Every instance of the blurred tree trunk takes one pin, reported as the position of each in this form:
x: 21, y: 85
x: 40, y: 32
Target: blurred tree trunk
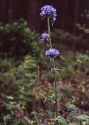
x: 3, y: 10
x: 33, y: 14
x: 66, y: 16
x: 12, y: 10
x: 76, y: 15
x: 77, y: 2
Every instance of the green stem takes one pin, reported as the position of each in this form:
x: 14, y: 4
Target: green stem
x: 49, y: 32
x: 55, y: 88
x: 55, y: 84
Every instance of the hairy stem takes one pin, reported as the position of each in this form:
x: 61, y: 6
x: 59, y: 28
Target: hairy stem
x: 55, y: 88
x: 54, y: 72
x: 49, y: 32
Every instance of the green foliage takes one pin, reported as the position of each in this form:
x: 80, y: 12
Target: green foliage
x: 66, y: 35
x: 6, y: 64
x: 16, y: 86
x: 74, y: 123
x: 82, y: 58
x: 16, y: 39
x: 25, y: 89
x: 61, y: 121
x: 82, y: 117
x: 19, y: 81
x: 70, y: 107
x: 67, y: 40
x: 10, y: 97
x: 75, y: 74
x: 68, y: 91
x: 66, y: 65
x: 29, y: 63
x: 74, y: 65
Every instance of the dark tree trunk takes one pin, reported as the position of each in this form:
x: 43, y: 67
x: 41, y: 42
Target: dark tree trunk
x: 76, y: 14
x: 66, y: 14
x: 3, y: 11
x: 12, y: 10
x: 77, y: 2
x: 33, y: 14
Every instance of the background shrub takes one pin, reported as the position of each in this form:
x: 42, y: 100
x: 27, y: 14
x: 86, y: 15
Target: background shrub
x: 16, y: 39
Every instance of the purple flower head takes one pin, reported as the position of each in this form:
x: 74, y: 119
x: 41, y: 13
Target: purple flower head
x: 44, y: 36
x: 52, y: 52
x: 50, y: 11
x: 21, y: 115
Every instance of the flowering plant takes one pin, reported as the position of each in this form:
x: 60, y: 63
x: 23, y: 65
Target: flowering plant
x: 44, y: 36
x: 49, y: 12
x: 52, y: 52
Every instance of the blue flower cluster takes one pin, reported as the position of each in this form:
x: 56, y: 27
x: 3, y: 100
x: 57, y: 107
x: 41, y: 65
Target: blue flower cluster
x: 52, y: 52
x: 50, y: 11
x: 44, y: 36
